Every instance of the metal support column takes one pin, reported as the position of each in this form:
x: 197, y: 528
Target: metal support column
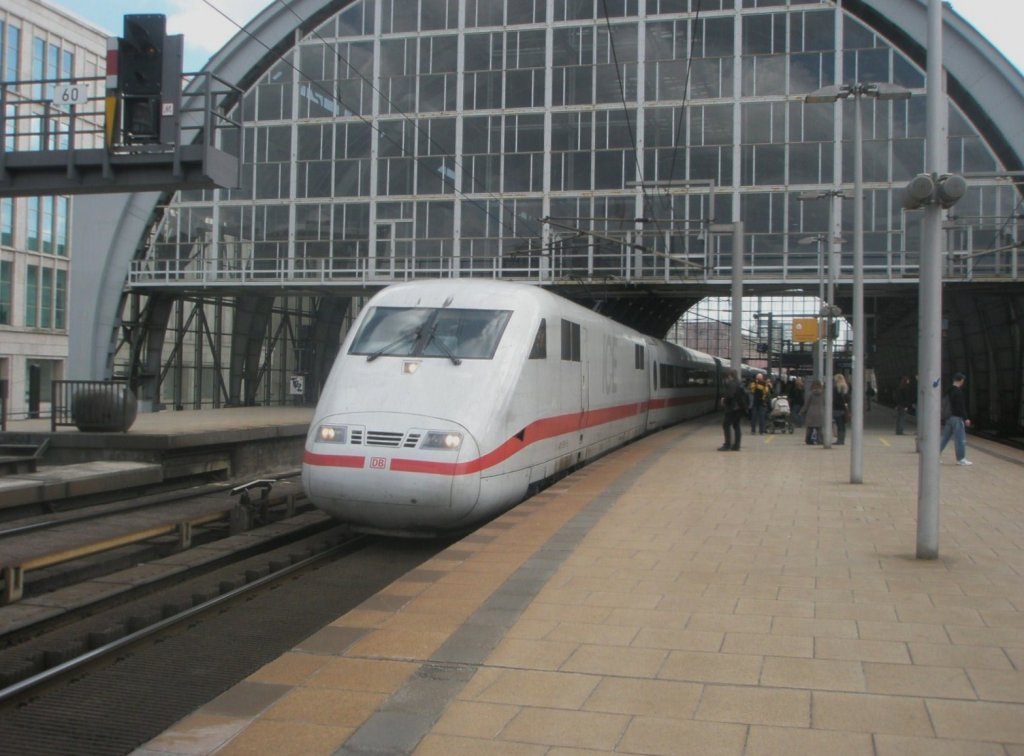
x: 930, y: 307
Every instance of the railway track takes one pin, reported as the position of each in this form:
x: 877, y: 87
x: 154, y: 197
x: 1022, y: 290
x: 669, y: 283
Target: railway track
x: 45, y: 553
x: 13, y: 526
x: 103, y: 671
x: 112, y: 591
x: 95, y: 637
x: 113, y: 698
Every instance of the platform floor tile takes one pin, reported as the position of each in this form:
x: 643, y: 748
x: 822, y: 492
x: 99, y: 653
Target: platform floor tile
x: 671, y: 599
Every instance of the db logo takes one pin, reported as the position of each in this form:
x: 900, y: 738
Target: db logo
x: 378, y: 463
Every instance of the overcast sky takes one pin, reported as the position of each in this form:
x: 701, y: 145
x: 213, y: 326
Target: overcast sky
x: 207, y: 24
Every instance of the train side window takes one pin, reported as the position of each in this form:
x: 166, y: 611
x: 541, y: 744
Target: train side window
x: 654, y: 376
x: 539, y: 351
x: 570, y: 341
x: 638, y: 356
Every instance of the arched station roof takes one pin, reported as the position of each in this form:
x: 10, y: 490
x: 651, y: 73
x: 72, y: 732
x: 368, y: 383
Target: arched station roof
x: 110, y: 229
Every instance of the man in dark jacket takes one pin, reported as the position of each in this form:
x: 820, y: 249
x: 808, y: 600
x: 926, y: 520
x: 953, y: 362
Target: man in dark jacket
x: 956, y: 424
x: 734, y: 402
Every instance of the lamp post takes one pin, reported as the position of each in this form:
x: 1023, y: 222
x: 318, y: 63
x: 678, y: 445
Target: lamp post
x: 829, y: 312
x: 880, y: 91
x: 819, y: 352
x: 736, y: 337
x: 770, y: 317
x: 933, y: 191
x: 826, y: 271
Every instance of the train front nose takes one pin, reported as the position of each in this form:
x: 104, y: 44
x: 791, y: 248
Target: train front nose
x: 392, y: 472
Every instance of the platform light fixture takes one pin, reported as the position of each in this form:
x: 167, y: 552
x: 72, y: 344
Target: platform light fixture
x: 858, y: 91
x: 831, y: 270
x: 770, y: 318
x: 736, y: 330
x: 925, y: 189
x: 819, y: 240
x: 929, y: 354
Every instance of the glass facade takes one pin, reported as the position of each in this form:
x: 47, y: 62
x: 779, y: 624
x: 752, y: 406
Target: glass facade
x: 767, y: 332
x: 11, y: 51
x: 38, y: 41
x: 6, y: 289
x: 7, y: 221
x: 527, y: 139
x: 546, y: 141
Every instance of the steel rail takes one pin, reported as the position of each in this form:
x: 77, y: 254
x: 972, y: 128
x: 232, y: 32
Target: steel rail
x: 28, y: 684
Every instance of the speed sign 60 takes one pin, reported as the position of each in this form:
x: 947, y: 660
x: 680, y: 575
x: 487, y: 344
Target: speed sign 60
x: 65, y: 95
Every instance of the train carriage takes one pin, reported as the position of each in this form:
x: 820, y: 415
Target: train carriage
x: 450, y: 399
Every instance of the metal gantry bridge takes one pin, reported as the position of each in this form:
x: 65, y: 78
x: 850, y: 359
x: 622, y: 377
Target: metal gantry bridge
x: 53, y: 142
x: 707, y: 260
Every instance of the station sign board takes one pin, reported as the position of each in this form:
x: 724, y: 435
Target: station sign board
x: 805, y: 329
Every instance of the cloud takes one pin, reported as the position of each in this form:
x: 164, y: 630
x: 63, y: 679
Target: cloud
x: 205, y: 28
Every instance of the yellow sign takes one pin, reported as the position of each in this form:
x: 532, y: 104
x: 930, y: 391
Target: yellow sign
x: 805, y: 329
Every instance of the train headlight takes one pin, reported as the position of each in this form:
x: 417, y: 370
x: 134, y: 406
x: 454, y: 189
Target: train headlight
x: 441, y: 440
x: 332, y: 434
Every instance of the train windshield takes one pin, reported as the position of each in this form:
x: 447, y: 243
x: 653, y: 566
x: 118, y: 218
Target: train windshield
x: 448, y: 333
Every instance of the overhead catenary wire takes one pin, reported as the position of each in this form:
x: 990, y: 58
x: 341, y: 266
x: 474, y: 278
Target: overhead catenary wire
x: 484, y: 206
x: 625, y: 106
x: 369, y: 122
x: 686, y: 92
x: 638, y: 158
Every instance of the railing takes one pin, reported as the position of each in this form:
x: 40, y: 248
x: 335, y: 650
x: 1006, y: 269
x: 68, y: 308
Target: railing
x: 365, y: 270
x: 92, y: 405
x: 31, y: 122
x: 31, y: 119
x: 43, y: 136
x: 793, y: 266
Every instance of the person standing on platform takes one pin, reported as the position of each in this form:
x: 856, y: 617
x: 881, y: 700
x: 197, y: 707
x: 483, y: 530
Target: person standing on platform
x: 904, y: 401
x: 795, y: 394
x: 734, y: 402
x: 840, y: 407
x: 761, y: 393
x: 813, y: 413
x: 956, y: 423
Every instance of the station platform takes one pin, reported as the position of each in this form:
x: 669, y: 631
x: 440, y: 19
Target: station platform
x: 672, y: 599
x: 169, y: 429
x: 237, y: 441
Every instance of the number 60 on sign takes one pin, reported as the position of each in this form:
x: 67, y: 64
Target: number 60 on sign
x: 65, y: 95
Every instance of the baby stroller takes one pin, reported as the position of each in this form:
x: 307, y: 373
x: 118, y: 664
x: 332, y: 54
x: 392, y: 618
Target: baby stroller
x: 779, y: 418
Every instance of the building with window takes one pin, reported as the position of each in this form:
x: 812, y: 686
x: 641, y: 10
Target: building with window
x: 589, y: 145
x: 39, y: 44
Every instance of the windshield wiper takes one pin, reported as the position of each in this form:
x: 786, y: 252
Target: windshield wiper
x: 441, y: 345
x: 415, y: 333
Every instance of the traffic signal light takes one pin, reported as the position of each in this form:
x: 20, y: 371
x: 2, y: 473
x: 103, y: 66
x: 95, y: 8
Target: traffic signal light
x: 140, y: 65
x: 141, y: 75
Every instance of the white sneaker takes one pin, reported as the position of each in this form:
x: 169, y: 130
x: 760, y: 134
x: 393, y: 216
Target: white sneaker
x: 964, y: 462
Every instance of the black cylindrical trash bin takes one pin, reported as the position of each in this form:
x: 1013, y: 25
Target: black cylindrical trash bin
x: 104, y: 408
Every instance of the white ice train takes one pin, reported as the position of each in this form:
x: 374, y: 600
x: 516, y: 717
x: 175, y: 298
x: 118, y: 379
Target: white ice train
x: 450, y: 399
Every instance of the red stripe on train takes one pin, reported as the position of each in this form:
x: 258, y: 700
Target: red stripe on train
x: 333, y: 460
x: 539, y: 430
